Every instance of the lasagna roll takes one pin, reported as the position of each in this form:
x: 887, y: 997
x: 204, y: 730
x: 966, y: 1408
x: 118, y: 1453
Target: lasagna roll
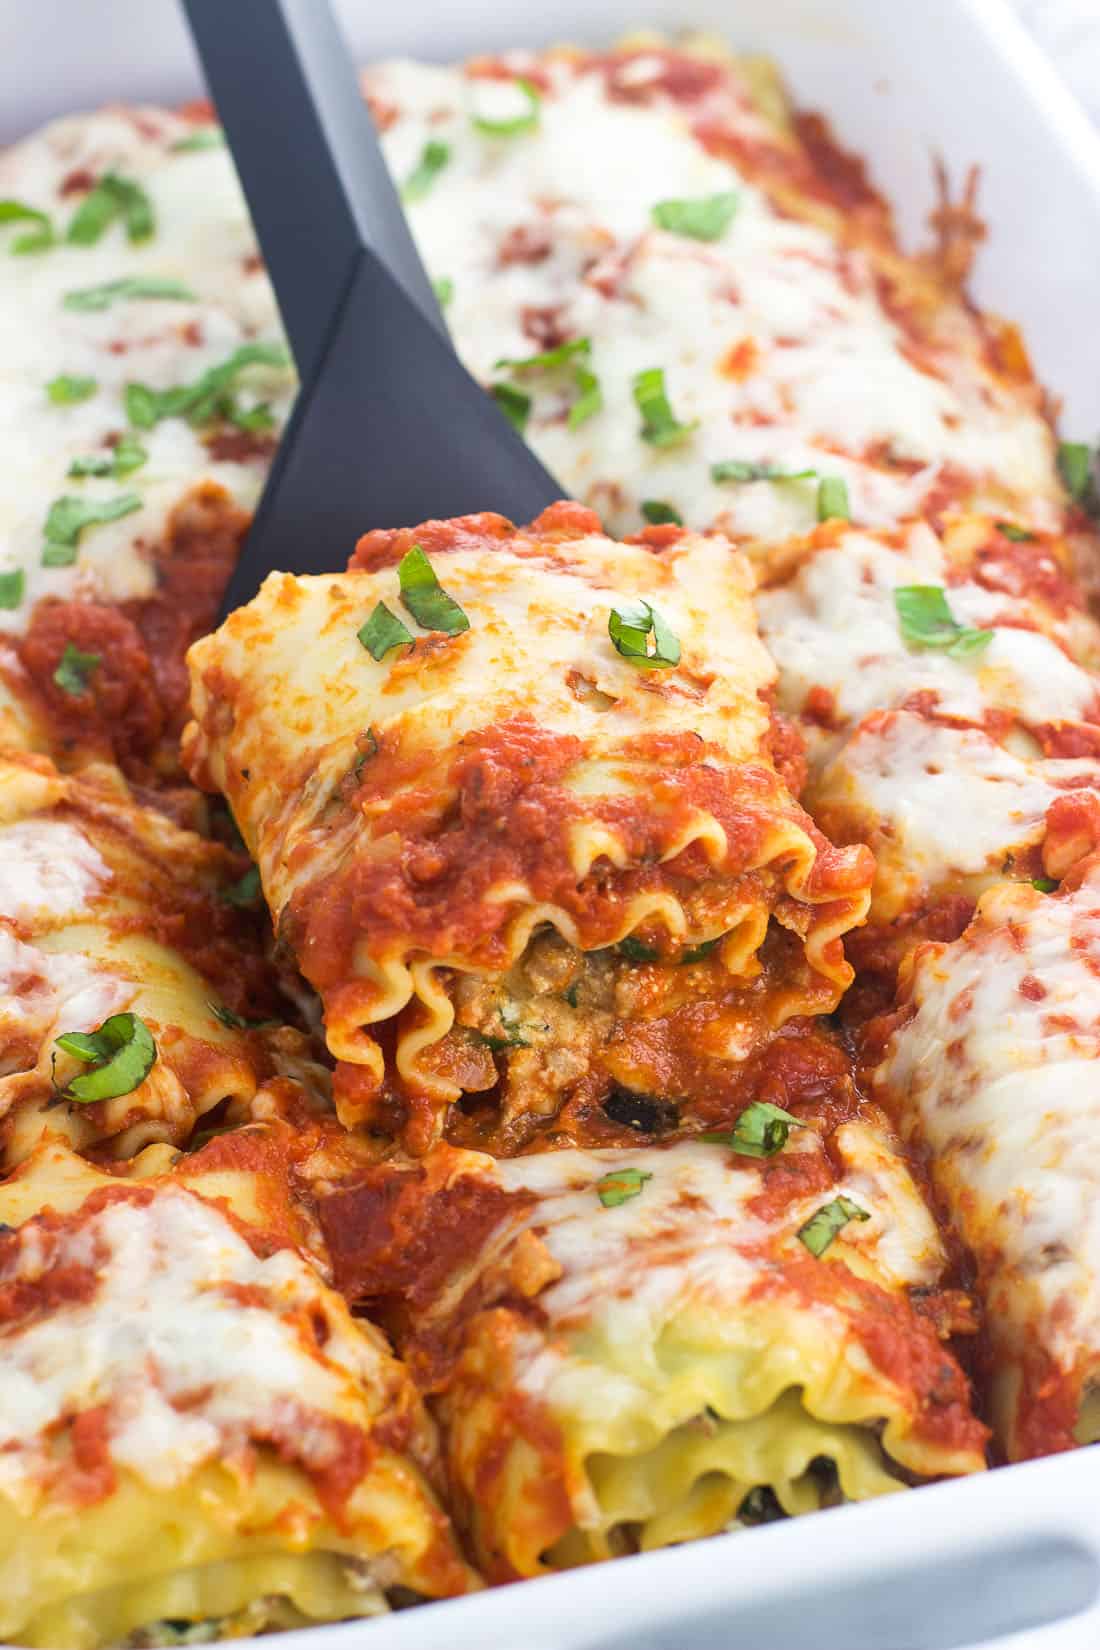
x: 946, y: 683
x: 231, y: 1452
x: 512, y: 790
x: 632, y: 1348
x: 991, y: 1070
x: 128, y: 974
x: 725, y: 251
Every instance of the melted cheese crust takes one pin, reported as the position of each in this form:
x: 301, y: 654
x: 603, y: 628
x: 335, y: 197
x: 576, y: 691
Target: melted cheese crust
x: 225, y: 1412
x: 430, y: 810
x: 991, y: 1070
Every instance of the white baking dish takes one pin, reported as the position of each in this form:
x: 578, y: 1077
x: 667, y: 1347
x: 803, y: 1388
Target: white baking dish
x: 1011, y: 1559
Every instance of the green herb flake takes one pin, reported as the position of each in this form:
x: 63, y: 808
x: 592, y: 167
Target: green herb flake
x: 233, y: 1022
x: 245, y: 892
x: 549, y: 358
x: 620, y: 1186
x: 38, y: 239
x: 632, y: 625
x: 1044, y: 885
x: 740, y: 469
x: 589, y: 397
x: 514, y: 404
x: 126, y: 456
x: 696, y: 953
x: 822, y: 1227
x: 832, y: 499
x: 113, y: 198
x: 74, y: 670
x: 210, y: 397
x: 12, y: 585
x: 68, y: 389
x: 518, y: 124
x: 926, y: 621
x: 760, y: 1131
x: 127, y: 287
x: 433, y: 158
x: 660, y: 426
x: 704, y: 219
x: 204, y: 137
x: 444, y: 289
x: 121, y: 1054
x: 636, y: 950
x: 660, y: 514
x: 1018, y: 535
x: 1075, y: 468
x: 69, y: 516
x: 425, y: 597
x: 383, y: 631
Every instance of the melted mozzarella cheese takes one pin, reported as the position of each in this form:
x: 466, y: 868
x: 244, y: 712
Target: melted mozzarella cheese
x: 203, y: 240
x: 996, y: 1072
x: 47, y: 866
x: 936, y: 802
x: 188, y: 1366
x: 556, y: 222
x: 834, y: 625
x: 41, y: 989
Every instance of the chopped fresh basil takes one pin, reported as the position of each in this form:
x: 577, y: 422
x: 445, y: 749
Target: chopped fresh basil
x: 589, y: 397
x: 1045, y: 885
x: 234, y: 1021
x: 258, y: 420
x: 74, y: 670
x: 548, y: 358
x: 760, y: 1131
x: 69, y: 516
x: 433, y: 158
x: 121, y: 1054
x: 444, y: 289
x: 245, y: 891
x: 526, y: 122
x: 69, y: 388
x: 425, y: 597
x: 620, y: 1186
x: 658, y: 513
x: 383, y: 631
x: 11, y: 588
x: 514, y: 404
x: 632, y: 624
x: 126, y: 456
x: 660, y: 426
x: 636, y: 950
x: 368, y: 747
x: 113, y: 197
x: 1075, y: 467
x: 204, y: 137
x: 740, y: 469
x: 926, y: 621
x: 1018, y: 535
x: 209, y: 397
x: 704, y: 219
x: 127, y: 286
x: 821, y: 1228
x: 832, y: 499
x: 696, y: 953
x: 37, y: 239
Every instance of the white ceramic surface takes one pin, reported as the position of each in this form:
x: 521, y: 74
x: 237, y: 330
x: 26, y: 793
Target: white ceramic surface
x: 1011, y: 1560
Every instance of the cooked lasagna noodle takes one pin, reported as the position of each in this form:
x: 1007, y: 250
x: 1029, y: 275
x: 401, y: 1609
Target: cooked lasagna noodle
x: 631, y: 1348
x: 664, y: 210
x: 109, y: 910
x: 991, y: 1072
x: 567, y: 874
x: 143, y: 383
x: 235, y: 1451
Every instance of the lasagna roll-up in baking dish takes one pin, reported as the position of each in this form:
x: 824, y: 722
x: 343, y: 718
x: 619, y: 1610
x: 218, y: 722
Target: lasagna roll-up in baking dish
x: 230, y: 1451
x: 126, y: 970
x: 513, y: 790
x: 991, y: 1069
x: 634, y: 1348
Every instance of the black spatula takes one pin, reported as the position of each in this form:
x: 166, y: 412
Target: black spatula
x: 389, y: 428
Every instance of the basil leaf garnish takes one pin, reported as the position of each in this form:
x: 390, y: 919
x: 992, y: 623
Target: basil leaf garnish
x: 425, y: 597
x: 74, y: 669
x: 926, y: 620
x: 121, y: 1054
x: 620, y: 1186
x: 704, y: 219
x: 660, y: 426
x: 69, y: 516
x: 821, y: 1228
x: 632, y: 625
x: 760, y: 1131
x: 383, y: 631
